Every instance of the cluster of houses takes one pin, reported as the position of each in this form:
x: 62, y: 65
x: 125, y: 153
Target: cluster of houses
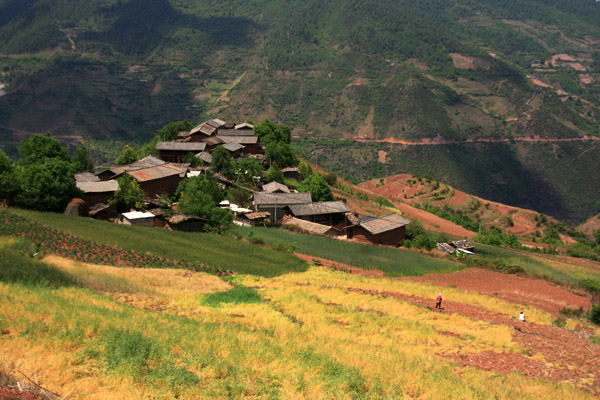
x: 274, y: 204
x: 238, y: 139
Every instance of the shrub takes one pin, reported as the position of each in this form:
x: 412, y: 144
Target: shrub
x: 571, y: 312
x: 595, y: 314
x: 559, y: 322
x: 237, y: 295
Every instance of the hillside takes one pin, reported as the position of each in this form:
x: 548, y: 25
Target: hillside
x: 375, y: 74
x: 92, y: 330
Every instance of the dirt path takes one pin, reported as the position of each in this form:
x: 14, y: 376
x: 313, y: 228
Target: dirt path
x: 510, y: 288
x: 439, y: 141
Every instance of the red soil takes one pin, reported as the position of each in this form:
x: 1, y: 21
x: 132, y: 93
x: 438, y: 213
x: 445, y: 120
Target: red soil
x: 7, y: 394
x: 570, y: 356
x: 510, y: 288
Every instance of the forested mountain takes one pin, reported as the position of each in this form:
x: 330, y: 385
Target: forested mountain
x: 521, y: 79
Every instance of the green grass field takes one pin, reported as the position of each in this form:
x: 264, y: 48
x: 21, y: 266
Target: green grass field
x: 218, y: 251
x: 392, y: 261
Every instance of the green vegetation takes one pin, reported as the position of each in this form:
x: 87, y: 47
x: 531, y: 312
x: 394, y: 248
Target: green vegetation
x: 129, y: 195
x: 394, y: 262
x: 318, y: 188
x: 215, y: 251
x: 237, y: 295
x: 199, y: 197
x: 16, y: 267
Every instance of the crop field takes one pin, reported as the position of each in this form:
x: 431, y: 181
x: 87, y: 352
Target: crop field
x: 392, y: 261
x: 90, y: 330
x: 216, y: 252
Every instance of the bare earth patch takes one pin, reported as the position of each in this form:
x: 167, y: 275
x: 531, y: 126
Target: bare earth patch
x: 381, y: 156
x: 510, y: 288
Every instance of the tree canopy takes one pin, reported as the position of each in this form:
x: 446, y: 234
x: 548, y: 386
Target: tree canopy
x: 274, y: 174
x: 39, y: 147
x: 169, y: 132
x: 128, y: 156
x: 221, y: 161
x: 9, y: 184
x: 47, y: 185
x: 82, y: 161
x: 318, y: 188
x: 199, y: 197
x: 128, y: 195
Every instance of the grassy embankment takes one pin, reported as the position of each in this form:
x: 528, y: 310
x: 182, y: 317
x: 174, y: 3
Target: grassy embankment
x: 307, y: 341
x: 217, y: 251
x: 394, y: 262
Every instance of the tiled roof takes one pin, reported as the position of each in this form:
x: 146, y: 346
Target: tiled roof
x: 310, y: 227
x: 157, y: 172
x: 233, y: 146
x: 98, y: 187
x: 204, y: 156
x: 181, y: 146
x: 377, y: 225
x: 282, y: 199
x: 235, y: 132
x: 86, y: 177
x: 239, y: 139
x: 275, y: 187
x: 244, y: 126
x: 319, y: 208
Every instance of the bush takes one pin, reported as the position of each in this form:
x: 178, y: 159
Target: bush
x: 559, y: 322
x: 571, y: 312
x: 237, y: 295
x: 595, y: 315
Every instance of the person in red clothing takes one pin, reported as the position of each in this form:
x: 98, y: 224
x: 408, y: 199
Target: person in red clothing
x: 438, y: 301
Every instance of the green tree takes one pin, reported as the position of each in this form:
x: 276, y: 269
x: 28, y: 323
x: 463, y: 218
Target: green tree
x: 318, y: 188
x: 128, y: 156
x: 82, y: 161
x: 274, y: 174
x: 221, y: 161
x: 304, y: 169
x: 9, y: 184
x: 269, y: 132
x: 39, y: 147
x: 248, y: 169
x: 169, y: 132
x: 199, y: 197
x: 281, y: 153
x: 149, y: 149
x: 47, y: 185
x: 129, y: 195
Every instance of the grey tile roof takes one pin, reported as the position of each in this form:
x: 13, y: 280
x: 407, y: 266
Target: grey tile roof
x: 233, y: 146
x: 319, y: 208
x: 235, y: 132
x: 181, y: 146
x: 307, y: 226
x: 239, y: 139
x: 204, y: 156
x: 98, y: 187
x: 282, y: 199
x: 272, y: 187
x: 86, y: 177
x: 376, y: 225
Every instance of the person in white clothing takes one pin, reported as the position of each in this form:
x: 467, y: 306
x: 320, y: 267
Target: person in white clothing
x: 522, y: 317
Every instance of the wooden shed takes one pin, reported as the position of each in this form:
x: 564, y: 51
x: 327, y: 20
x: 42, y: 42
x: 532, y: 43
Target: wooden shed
x: 388, y: 230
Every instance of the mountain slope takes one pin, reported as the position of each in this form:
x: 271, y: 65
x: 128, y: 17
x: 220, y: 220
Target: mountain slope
x: 368, y: 70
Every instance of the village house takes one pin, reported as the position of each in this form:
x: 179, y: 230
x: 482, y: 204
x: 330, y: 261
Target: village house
x: 275, y: 187
x: 98, y: 191
x: 137, y: 218
x: 291, y: 173
x: 309, y: 227
x: 388, y: 230
x: 186, y: 223
x: 235, y: 149
x: 244, y: 126
x: 276, y: 203
x: 331, y: 213
x: 157, y: 180
x: 252, y: 218
x: 117, y: 170
x: 177, y: 151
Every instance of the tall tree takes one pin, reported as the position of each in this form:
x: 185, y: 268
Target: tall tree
x: 221, y: 161
x: 169, y: 132
x: 274, y: 174
x: 129, y: 195
x: 128, y: 156
x: 39, y: 147
x: 47, y: 185
x: 82, y: 161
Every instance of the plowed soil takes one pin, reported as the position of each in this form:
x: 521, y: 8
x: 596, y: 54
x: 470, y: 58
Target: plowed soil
x: 510, y: 288
x: 7, y: 394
